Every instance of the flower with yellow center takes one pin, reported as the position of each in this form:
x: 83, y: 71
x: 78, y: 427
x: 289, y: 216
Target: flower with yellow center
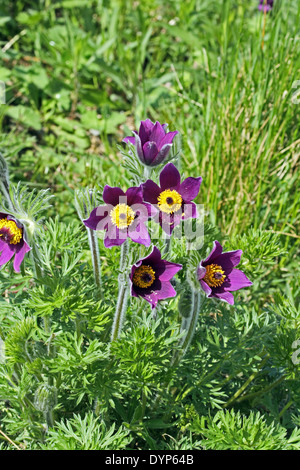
x: 214, y: 276
x: 169, y: 201
x: 143, y: 277
x: 10, y: 232
x: 122, y: 216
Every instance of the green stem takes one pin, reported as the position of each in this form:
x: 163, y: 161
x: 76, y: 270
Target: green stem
x: 94, y: 247
x: 122, y: 295
x: 147, y: 172
x: 49, y: 415
x: 85, y: 202
x: 286, y: 407
x: 248, y: 381
x: 188, y: 326
x: 167, y: 244
x: 250, y: 396
x: 5, y: 192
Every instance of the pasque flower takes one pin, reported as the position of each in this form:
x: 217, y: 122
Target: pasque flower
x: 218, y: 276
x: 152, y: 142
x: 172, y: 198
x: 265, y: 5
x: 12, y: 241
x: 123, y: 215
x: 150, y: 278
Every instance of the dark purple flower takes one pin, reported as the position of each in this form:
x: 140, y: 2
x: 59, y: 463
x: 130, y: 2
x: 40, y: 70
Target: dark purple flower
x: 124, y: 215
x: 172, y: 198
x: 217, y: 274
x: 150, y: 278
x: 152, y: 142
x: 12, y: 241
x: 265, y: 5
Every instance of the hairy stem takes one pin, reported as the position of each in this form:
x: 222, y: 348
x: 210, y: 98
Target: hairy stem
x: 49, y: 415
x: 188, y: 327
x: 94, y: 247
x: 122, y: 295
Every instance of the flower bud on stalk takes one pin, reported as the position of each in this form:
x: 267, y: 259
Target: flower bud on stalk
x: 152, y: 142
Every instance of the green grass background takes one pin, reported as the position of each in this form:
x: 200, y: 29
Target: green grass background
x: 80, y: 76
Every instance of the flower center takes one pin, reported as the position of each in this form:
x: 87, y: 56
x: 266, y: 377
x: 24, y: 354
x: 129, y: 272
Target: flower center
x: 143, y: 277
x: 214, y: 276
x: 169, y: 201
x: 122, y: 215
x: 10, y: 232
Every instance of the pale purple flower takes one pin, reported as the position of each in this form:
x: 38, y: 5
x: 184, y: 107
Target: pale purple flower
x: 123, y: 215
x: 152, y: 142
x: 172, y: 198
x: 218, y: 275
x: 12, y: 241
x: 265, y: 5
x: 150, y: 278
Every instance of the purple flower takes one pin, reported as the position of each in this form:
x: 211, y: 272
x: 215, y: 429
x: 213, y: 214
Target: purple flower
x: 173, y: 197
x: 265, y: 5
x: 217, y: 274
x: 152, y: 142
x: 150, y: 278
x: 123, y: 215
x: 12, y: 241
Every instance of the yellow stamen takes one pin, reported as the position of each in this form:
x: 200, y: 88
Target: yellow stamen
x: 10, y: 231
x: 144, y: 276
x: 169, y: 201
x: 122, y: 215
x: 214, y: 276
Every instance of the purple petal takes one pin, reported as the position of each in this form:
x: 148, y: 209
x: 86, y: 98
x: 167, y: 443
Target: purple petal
x: 111, y: 195
x: 237, y: 280
x: 6, y: 254
x: 167, y: 139
x: 152, y: 211
x: 139, y: 148
x: 163, y: 152
x: 169, y: 177
x: 151, y: 297
x: 205, y: 287
x: 226, y: 296
x: 151, y: 191
x: 157, y: 134
x: 166, y: 291
x: 99, y: 218
x: 129, y: 139
x: 143, y: 211
x: 154, y: 258
x: 201, y: 271
x: 19, y: 256
x: 229, y: 259
x: 133, y: 292
x: 189, y: 188
x: 139, y: 234
x: 145, y: 130
x: 167, y: 270
x: 134, y: 195
x: 150, y: 151
x: 114, y: 236
x: 216, y: 251
x: 168, y: 221
x: 190, y: 211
